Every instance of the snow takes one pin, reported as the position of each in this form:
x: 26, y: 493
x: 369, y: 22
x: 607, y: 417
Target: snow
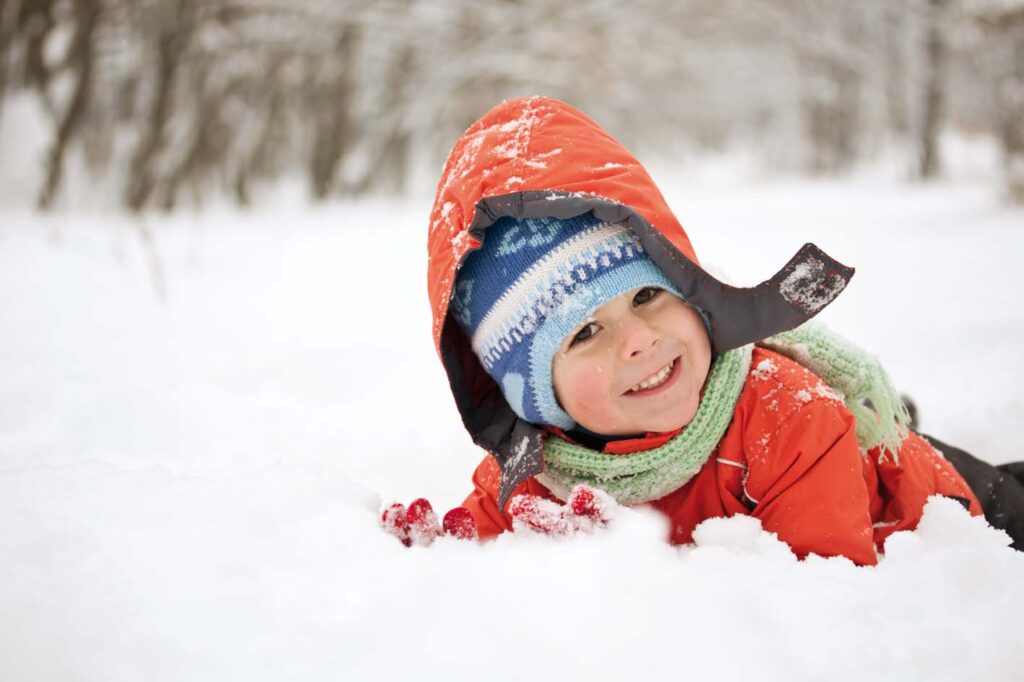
x: 764, y: 370
x: 190, y: 482
x: 824, y: 391
x: 809, y: 287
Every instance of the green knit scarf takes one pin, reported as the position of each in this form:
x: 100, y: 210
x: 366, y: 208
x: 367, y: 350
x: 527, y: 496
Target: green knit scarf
x: 857, y: 376
x: 651, y: 474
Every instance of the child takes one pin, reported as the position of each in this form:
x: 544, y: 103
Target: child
x: 584, y: 344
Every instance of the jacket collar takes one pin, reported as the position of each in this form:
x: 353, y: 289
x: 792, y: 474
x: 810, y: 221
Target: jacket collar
x: 616, y: 446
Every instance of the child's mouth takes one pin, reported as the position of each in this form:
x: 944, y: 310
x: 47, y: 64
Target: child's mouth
x: 659, y: 379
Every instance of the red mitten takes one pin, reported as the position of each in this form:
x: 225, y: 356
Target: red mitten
x: 459, y: 523
x: 423, y: 525
x: 418, y: 524
x: 596, y: 505
x: 585, y: 509
x: 394, y: 522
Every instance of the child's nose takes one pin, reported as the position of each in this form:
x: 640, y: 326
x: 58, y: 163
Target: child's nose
x: 638, y: 339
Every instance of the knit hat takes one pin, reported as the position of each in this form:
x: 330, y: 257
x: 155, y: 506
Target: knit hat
x: 531, y: 283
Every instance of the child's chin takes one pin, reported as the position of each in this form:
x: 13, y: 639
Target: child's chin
x: 671, y: 422
x: 666, y: 426
x: 660, y: 424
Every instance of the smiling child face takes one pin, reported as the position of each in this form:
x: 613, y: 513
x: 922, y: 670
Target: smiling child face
x: 638, y: 364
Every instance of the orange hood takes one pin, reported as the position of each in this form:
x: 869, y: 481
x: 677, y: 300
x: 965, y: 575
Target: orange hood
x: 534, y: 157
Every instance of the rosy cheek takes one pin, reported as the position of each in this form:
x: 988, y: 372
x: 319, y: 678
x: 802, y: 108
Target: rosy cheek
x: 589, y: 388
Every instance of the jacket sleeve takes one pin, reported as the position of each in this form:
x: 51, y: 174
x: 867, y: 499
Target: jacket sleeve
x: 807, y: 484
x: 482, y: 503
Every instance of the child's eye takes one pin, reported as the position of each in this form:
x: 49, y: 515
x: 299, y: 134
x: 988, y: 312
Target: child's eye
x: 646, y: 295
x: 584, y: 334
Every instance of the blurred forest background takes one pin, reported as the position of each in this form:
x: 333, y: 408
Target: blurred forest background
x: 165, y: 102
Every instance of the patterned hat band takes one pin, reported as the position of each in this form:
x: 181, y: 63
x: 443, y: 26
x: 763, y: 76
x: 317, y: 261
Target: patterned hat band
x: 531, y: 283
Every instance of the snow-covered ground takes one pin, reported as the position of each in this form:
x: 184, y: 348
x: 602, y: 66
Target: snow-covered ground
x: 200, y: 415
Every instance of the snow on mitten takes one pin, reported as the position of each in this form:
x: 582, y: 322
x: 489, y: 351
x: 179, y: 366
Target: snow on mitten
x: 589, y: 503
x: 539, y: 515
x: 394, y: 522
x: 585, y: 510
x: 418, y: 524
x: 424, y: 527
x: 459, y: 523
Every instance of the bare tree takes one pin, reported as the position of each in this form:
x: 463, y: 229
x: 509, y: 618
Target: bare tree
x: 9, y: 11
x: 329, y: 101
x: 934, y: 94
x: 80, y: 59
x: 172, y: 24
x: 1003, y: 26
x: 25, y: 26
x: 178, y: 99
x: 895, y: 35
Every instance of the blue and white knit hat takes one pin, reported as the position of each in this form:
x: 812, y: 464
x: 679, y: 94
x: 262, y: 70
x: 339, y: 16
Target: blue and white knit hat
x: 531, y: 283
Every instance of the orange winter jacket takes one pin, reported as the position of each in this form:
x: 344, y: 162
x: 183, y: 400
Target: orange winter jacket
x: 790, y: 456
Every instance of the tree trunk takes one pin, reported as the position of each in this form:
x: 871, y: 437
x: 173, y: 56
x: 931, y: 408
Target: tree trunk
x: 896, y: 71
x: 1011, y: 106
x: 390, y: 167
x: 9, y: 10
x: 333, y: 132
x: 933, y: 109
x: 830, y: 109
x: 36, y: 19
x: 172, y: 36
x: 81, y: 54
x: 260, y: 158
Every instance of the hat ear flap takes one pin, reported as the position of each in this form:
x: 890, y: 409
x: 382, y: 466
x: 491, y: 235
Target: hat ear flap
x: 513, y: 388
x: 462, y: 299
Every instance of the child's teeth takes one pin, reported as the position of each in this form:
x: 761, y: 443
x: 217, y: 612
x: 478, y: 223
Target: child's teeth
x: 655, y: 380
